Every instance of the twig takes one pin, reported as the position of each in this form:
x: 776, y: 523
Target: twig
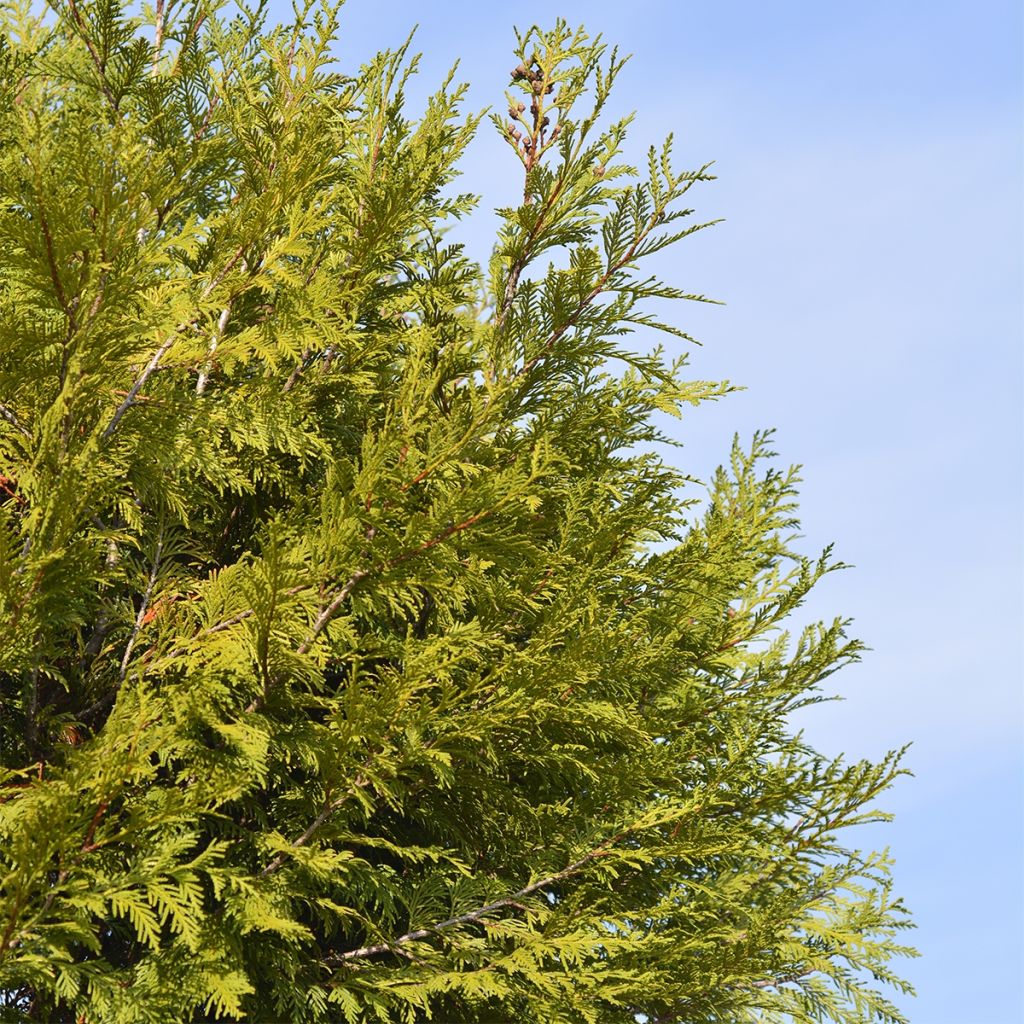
x: 360, y: 782
x: 293, y: 379
x: 321, y: 622
x: 51, y: 261
x: 474, y: 915
x: 222, y: 324
x: 8, y: 415
x: 158, y: 36
x: 786, y: 979
x: 143, y: 608
x: 159, y: 354
x: 97, y: 61
x: 32, y: 725
x: 329, y: 612
x: 129, y: 400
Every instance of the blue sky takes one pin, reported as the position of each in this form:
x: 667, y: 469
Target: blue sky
x: 870, y: 163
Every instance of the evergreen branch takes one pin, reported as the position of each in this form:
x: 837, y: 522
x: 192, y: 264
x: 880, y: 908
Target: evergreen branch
x: 94, y: 54
x: 152, y: 365
x: 51, y: 262
x: 234, y: 620
x: 129, y: 399
x: 360, y: 782
x: 319, y: 625
x: 87, y: 846
x: 11, y: 418
x: 521, y: 263
x: 323, y: 618
x: 673, y: 1016
x: 447, y: 532
x: 140, y: 618
x: 328, y: 613
x: 475, y: 915
x: 222, y: 324
x: 613, y: 268
x: 177, y: 652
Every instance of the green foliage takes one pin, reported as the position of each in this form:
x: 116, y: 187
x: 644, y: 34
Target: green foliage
x: 361, y: 660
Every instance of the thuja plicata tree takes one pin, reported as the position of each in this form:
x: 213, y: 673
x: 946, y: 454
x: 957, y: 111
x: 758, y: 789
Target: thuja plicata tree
x: 363, y: 660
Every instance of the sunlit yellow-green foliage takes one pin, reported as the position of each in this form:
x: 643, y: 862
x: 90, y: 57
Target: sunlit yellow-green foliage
x: 361, y: 658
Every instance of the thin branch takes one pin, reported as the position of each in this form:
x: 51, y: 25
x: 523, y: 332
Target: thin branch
x: 360, y: 782
x: 517, y: 268
x: 570, y: 320
x: 293, y: 379
x: 32, y: 723
x: 8, y: 415
x: 96, y: 59
x: 152, y: 365
x: 475, y: 915
x: 51, y: 262
x: 786, y: 979
x: 533, y: 148
x: 207, y: 118
x: 222, y: 324
x: 158, y: 35
x: 140, y: 618
x: 321, y: 622
x: 329, y: 612
x: 129, y: 400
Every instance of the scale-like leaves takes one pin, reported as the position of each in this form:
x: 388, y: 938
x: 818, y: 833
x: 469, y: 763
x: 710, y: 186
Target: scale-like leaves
x: 362, y: 657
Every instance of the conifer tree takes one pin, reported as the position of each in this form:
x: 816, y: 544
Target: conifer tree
x: 362, y: 660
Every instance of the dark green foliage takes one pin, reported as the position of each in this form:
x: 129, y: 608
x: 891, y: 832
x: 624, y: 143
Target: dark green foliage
x: 361, y: 661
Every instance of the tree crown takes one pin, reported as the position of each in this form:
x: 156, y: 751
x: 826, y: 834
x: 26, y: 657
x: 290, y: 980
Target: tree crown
x: 363, y: 660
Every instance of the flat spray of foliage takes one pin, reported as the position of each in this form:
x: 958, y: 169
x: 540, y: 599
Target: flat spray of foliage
x: 361, y: 661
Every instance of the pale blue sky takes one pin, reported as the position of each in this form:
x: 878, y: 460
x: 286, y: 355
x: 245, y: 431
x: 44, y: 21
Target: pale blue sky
x: 870, y: 162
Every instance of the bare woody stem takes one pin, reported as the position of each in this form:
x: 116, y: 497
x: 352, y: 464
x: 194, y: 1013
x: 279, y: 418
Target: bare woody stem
x: 158, y: 35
